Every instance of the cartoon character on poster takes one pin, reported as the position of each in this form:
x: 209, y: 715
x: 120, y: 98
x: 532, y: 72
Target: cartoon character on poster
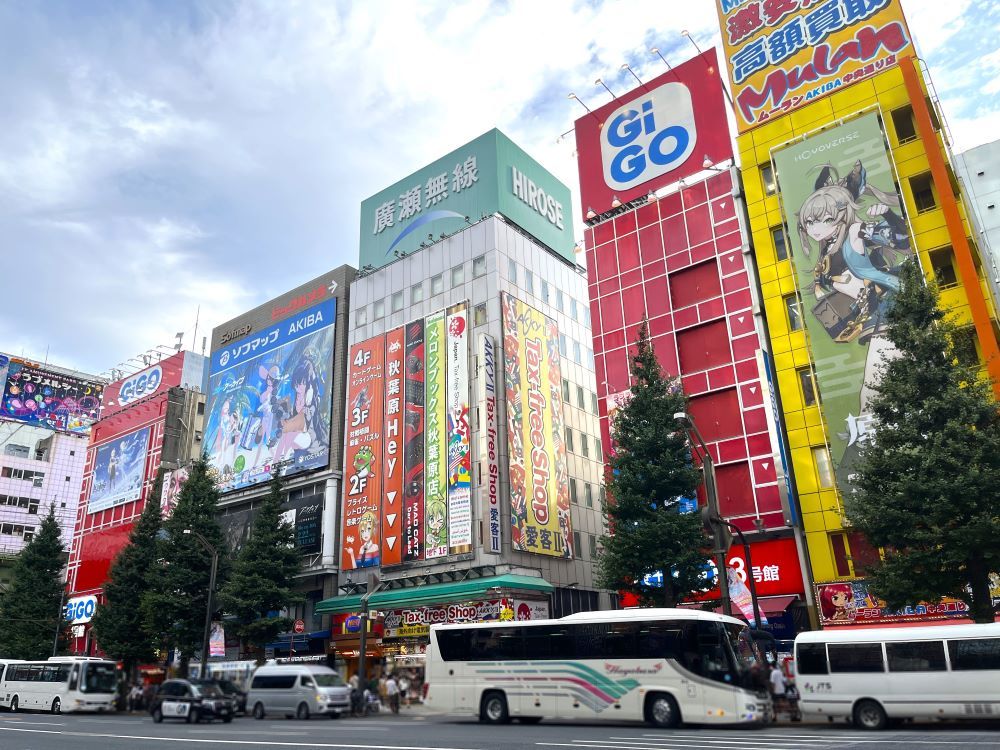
x: 437, y: 523
x: 264, y: 433
x: 367, y: 555
x: 295, y: 430
x: 836, y: 600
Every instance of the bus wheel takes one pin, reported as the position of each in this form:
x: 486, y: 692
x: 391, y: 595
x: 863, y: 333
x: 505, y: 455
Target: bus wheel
x: 493, y: 708
x: 662, y: 711
x: 13, y: 705
x: 868, y: 714
x: 56, y: 706
x: 258, y: 711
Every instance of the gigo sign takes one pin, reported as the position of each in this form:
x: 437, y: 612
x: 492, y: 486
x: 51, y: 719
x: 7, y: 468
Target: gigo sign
x: 80, y: 609
x: 649, y: 136
x: 140, y: 385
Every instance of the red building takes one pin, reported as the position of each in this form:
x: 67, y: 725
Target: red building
x: 675, y: 251
x: 149, y: 419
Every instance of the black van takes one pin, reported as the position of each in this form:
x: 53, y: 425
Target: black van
x: 192, y: 700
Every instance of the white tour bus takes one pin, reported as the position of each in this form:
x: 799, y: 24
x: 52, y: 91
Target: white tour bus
x: 663, y: 666
x: 872, y: 675
x: 62, y: 683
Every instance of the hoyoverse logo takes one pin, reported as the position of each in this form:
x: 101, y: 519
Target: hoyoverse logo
x: 648, y: 137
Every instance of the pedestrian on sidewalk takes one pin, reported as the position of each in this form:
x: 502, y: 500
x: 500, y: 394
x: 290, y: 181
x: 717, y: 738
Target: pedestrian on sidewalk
x: 392, y: 690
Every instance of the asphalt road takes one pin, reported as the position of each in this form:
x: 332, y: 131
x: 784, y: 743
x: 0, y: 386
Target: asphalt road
x: 419, y: 731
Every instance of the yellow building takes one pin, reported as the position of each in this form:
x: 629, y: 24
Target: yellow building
x: 835, y: 552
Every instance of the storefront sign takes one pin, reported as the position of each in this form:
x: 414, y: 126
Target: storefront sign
x: 80, y: 609
x: 490, y: 483
x: 784, y: 54
x: 531, y: 610
x: 416, y: 621
x: 776, y: 569
x: 392, y: 465
x: 851, y: 603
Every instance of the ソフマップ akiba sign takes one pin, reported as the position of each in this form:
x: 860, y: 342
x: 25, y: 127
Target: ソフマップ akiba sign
x: 488, y: 175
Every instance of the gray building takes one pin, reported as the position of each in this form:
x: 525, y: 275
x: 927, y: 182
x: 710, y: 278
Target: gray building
x: 275, y: 398
x: 979, y: 171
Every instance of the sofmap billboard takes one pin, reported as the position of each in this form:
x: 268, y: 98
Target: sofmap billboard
x: 363, y: 470
x: 784, y: 54
x: 488, y: 175
x: 45, y: 398
x: 119, y: 470
x: 848, y: 238
x: 269, y: 399
x: 459, y: 431
x: 654, y: 135
x: 539, y: 491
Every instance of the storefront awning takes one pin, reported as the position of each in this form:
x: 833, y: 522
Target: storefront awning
x: 435, y: 593
x: 776, y: 605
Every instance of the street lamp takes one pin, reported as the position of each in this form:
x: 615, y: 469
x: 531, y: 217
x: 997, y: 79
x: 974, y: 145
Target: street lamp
x: 711, y: 493
x: 211, y: 590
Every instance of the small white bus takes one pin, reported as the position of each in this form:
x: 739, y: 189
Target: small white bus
x: 62, y: 683
x: 663, y: 666
x: 873, y: 675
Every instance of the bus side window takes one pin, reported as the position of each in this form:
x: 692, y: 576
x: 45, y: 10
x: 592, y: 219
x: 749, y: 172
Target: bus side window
x: 453, y: 645
x: 74, y: 677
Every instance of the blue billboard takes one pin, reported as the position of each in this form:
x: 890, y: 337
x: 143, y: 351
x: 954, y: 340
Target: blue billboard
x: 119, y: 470
x: 269, y: 398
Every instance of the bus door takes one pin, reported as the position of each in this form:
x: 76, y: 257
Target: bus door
x: 712, y: 659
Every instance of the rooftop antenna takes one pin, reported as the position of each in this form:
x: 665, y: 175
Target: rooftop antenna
x: 194, y: 338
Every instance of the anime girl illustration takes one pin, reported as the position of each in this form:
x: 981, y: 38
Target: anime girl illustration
x: 113, y: 462
x: 265, y: 435
x: 836, y: 600
x: 295, y: 430
x: 437, y: 519
x: 367, y: 555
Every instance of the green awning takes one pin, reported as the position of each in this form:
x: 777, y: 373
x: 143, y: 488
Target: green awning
x: 435, y: 593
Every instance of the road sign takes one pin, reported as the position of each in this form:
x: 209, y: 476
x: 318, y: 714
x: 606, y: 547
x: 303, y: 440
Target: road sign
x: 299, y: 627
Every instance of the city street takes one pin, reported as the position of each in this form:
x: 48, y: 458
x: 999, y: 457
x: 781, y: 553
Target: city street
x: 419, y: 731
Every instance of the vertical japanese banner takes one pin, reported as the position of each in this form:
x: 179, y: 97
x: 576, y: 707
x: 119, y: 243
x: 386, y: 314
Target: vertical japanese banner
x: 539, y: 492
x: 459, y: 433
x: 489, y: 497
x: 413, y: 443
x: 362, y: 469
x: 848, y: 238
x: 436, y: 438
x: 392, y: 466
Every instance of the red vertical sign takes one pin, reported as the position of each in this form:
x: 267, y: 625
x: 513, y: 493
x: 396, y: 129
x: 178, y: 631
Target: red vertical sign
x: 392, y: 466
x: 362, y: 461
x: 413, y: 439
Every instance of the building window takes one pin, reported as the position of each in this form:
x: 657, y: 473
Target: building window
x: 840, y: 557
x: 565, y: 391
x: 577, y: 355
x: 963, y: 346
x: 479, y: 315
x: 379, y: 309
x: 598, y: 450
x: 457, y: 276
x: 808, y: 386
x: 943, y: 265
x: 593, y: 402
x: 584, y: 445
x: 593, y: 545
x: 479, y: 266
x: 559, y: 300
x: 904, y: 124
x: 576, y: 541
x: 362, y: 316
x: 545, y: 291
x: 588, y: 494
x: 767, y: 178
x: 512, y: 271
x: 923, y: 192
x: 569, y: 440
x: 437, y: 284
x: 780, y: 246
x: 824, y: 467
x: 416, y: 293
x: 572, y: 490
x: 529, y: 281
x: 794, y: 312
x: 18, y: 451
x: 586, y: 316
x: 562, y: 345
x: 579, y: 397
x: 573, y: 312
x: 201, y: 410
x: 396, y: 302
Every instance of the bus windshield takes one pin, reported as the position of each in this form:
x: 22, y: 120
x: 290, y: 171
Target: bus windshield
x: 98, y: 678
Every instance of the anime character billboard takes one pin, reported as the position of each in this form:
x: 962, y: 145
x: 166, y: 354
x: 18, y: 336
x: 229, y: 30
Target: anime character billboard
x: 459, y: 431
x: 851, y: 603
x: 119, y: 471
x: 539, y: 490
x: 848, y: 238
x: 45, y: 398
x: 269, y: 400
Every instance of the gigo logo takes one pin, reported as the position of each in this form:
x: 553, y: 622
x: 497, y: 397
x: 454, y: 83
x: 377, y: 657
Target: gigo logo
x: 648, y: 137
x: 142, y: 384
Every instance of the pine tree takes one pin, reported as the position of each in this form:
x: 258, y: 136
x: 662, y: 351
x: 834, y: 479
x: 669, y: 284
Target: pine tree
x: 174, y: 604
x: 651, y: 470
x: 927, y: 486
x: 31, y: 611
x: 118, y: 624
x: 262, y: 575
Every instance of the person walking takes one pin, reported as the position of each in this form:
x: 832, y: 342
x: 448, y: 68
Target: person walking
x: 392, y: 691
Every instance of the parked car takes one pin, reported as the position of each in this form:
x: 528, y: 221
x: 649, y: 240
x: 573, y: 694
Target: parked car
x: 192, y: 700
x: 299, y: 690
x: 234, y: 691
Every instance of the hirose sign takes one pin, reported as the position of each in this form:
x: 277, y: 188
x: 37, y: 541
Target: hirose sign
x: 654, y: 135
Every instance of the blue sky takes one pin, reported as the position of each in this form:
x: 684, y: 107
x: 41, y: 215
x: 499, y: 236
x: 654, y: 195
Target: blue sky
x: 158, y: 156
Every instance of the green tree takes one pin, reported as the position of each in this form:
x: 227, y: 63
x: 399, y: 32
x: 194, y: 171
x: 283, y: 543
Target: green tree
x: 31, y: 611
x: 927, y: 487
x: 119, y: 626
x: 650, y: 470
x: 262, y: 575
x: 175, y: 605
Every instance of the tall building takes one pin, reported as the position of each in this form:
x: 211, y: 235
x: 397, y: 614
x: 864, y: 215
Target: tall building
x: 275, y: 401
x: 46, y: 413
x: 667, y: 242
x: 846, y: 174
x: 979, y: 174
x: 473, y: 457
x: 150, y: 421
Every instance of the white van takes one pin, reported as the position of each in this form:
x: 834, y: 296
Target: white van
x: 298, y: 690
x: 872, y: 675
